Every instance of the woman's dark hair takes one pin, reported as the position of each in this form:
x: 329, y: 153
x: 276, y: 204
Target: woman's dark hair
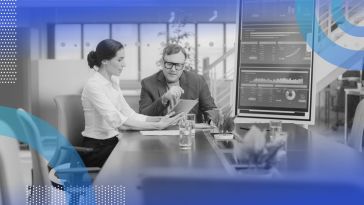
x: 105, y: 50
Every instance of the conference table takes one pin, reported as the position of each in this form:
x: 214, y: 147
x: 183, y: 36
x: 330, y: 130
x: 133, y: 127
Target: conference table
x: 135, y: 155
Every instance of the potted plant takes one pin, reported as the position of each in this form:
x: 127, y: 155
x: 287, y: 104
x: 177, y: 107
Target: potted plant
x: 223, y: 121
x: 257, y: 153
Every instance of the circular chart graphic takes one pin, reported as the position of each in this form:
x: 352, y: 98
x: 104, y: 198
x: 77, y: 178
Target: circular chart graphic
x: 290, y: 95
x: 334, y: 53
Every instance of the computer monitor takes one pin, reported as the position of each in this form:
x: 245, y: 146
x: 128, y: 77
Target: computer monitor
x: 362, y: 73
x: 274, y: 78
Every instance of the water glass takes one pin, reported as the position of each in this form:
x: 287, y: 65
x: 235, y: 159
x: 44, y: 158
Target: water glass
x: 185, y: 134
x: 359, y: 85
x: 275, y: 127
x: 192, y: 119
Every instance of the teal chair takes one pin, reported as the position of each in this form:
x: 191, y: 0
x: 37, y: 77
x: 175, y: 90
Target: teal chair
x: 62, y: 174
x: 12, y: 186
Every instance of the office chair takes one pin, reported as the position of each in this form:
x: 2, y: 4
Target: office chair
x: 63, y: 172
x: 71, y: 122
x: 348, y: 80
x: 71, y: 119
x: 12, y: 186
x: 356, y: 135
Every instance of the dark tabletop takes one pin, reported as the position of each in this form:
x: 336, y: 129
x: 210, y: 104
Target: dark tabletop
x: 306, y: 154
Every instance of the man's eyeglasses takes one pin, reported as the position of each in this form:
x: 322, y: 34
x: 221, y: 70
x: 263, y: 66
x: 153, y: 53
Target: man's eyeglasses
x: 177, y: 66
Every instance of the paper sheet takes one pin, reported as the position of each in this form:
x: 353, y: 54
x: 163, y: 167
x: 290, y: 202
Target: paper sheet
x: 160, y: 132
x: 184, y: 106
x: 202, y: 126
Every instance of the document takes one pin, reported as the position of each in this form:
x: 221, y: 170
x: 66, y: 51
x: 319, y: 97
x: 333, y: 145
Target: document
x: 184, y: 106
x: 201, y: 126
x: 160, y: 132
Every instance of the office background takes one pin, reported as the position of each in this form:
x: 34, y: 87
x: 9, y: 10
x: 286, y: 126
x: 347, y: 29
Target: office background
x: 54, y: 38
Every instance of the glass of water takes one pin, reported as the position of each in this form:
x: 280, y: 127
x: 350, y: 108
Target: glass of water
x: 275, y: 127
x: 192, y: 119
x: 185, y: 134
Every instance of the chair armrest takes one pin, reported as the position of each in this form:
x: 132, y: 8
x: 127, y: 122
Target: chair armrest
x: 78, y: 170
x: 46, y: 140
x: 83, y: 149
x: 62, y: 175
x: 50, y: 138
x: 78, y: 149
x: 65, y: 154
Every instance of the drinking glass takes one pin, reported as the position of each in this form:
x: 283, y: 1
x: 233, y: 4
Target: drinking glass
x: 185, y: 134
x: 275, y: 127
x: 192, y: 119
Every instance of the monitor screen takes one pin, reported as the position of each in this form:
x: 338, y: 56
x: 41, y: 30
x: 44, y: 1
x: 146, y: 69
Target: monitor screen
x: 274, y: 78
x: 362, y: 72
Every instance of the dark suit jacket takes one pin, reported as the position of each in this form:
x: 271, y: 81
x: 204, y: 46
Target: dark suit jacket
x: 194, y: 86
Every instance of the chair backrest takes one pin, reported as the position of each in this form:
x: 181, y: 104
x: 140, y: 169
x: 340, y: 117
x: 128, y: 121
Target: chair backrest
x: 71, y: 119
x: 39, y: 164
x: 12, y: 186
x: 356, y: 135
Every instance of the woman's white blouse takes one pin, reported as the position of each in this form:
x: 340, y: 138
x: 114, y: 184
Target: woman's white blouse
x: 105, y: 107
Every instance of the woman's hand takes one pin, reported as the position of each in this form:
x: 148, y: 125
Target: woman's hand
x: 167, y: 120
x: 154, y: 119
x: 158, y: 118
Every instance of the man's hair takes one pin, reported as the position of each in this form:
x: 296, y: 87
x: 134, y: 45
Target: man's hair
x: 173, y: 49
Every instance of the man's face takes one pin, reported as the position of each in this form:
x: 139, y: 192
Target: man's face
x: 173, y: 66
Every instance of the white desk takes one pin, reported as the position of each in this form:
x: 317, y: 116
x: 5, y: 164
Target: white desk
x: 349, y: 112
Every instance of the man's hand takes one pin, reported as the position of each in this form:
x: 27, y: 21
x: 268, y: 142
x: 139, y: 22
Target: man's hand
x: 216, y: 116
x: 172, y: 95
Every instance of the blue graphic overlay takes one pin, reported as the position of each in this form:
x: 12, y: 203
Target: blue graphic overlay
x: 8, y: 73
x: 334, y: 53
x: 342, y: 21
x: 27, y: 128
x: 213, y: 190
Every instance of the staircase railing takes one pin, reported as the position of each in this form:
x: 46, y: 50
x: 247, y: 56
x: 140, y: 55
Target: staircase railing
x: 220, y: 88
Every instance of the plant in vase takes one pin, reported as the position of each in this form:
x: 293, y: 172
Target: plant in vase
x: 223, y: 122
x: 257, y: 152
x: 179, y: 35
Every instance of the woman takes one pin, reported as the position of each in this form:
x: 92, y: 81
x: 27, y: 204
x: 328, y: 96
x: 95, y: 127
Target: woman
x: 106, y: 111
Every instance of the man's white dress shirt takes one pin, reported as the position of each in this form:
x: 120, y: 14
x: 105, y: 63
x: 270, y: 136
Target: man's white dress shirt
x: 105, y: 107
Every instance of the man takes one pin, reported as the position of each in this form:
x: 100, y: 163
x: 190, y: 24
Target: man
x: 163, y: 90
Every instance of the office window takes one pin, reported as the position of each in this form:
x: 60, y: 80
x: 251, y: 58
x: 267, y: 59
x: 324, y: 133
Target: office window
x: 153, y: 39
x: 189, y: 42
x: 210, y: 39
x: 127, y: 34
x: 67, y: 41
x: 92, y: 35
x: 230, y: 42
